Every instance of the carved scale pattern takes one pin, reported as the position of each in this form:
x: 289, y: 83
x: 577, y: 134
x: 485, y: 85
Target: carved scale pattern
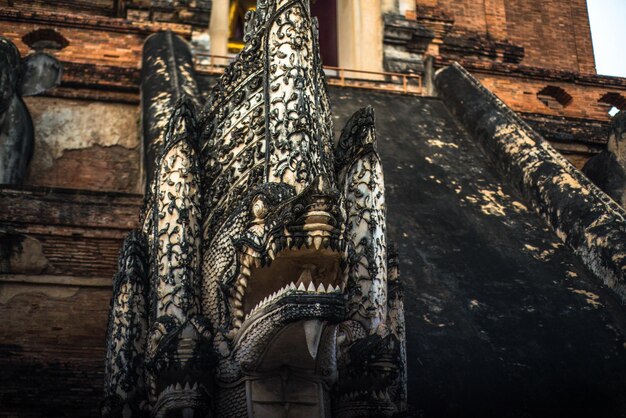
x: 176, y: 222
x: 128, y: 319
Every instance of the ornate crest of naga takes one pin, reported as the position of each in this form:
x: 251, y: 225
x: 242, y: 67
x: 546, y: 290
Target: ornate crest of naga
x: 261, y: 283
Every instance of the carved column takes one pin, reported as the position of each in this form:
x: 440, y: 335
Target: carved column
x: 218, y: 29
x: 361, y: 25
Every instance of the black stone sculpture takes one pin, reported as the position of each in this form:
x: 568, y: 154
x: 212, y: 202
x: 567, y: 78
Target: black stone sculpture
x: 260, y: 283
x: 19, y: 77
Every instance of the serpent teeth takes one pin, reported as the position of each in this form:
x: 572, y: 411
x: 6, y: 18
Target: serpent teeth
x: 317, y: 242
x: 301, y: 287
x: 292, y: 286
x: 320, y: 288
x: 311, y: 287
x: 243, y: 280
x: 305, y: 276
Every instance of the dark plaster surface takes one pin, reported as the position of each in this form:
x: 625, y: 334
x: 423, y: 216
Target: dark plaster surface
x: 502, y: 319
x: 607, y: 173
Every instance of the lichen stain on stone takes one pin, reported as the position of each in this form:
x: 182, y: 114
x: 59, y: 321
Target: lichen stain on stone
x: 474, y: 304
x: 436, y: 324
x: 538, y: 254
x: 594, y: 240
x: 435, y: 179
x: 561, y: 234
x: 618, y: 258
x: 506, y: 133
x: 161, y: 108
x: 603, y: 219
x: 565, y: 181
x: 440, y: 144
x: 519, y: 207
x: 493, y: 202
x: 590, y: 298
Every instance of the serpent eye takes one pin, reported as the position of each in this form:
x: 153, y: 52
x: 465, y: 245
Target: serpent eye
x: 259, y: 209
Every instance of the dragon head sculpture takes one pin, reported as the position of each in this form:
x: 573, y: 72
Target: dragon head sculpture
x: 271, y: 291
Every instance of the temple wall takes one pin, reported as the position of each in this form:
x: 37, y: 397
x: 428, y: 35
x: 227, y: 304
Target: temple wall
x: 78, y: 145
x: 88, y: 7
x: 99, y: 41
x: 58, y: 253
x: 59, y: 352
x: 520, y: 93
x: 554, y: 34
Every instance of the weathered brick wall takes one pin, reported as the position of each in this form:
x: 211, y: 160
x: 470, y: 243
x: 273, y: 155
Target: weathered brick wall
x: 520, y: 93
x: 89, y: 7
x: 92, y: 143
x: 468, y: 15
x: 64, y: 232
x: 55, y: 367
x: 88, y: 46
x: 85, y: 145
x: 555, y: 34
x: 579, y: 127
x: 58, y: 252
x: 92, y: 40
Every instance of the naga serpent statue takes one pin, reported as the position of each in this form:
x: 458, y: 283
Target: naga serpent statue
x: 260, y: 283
